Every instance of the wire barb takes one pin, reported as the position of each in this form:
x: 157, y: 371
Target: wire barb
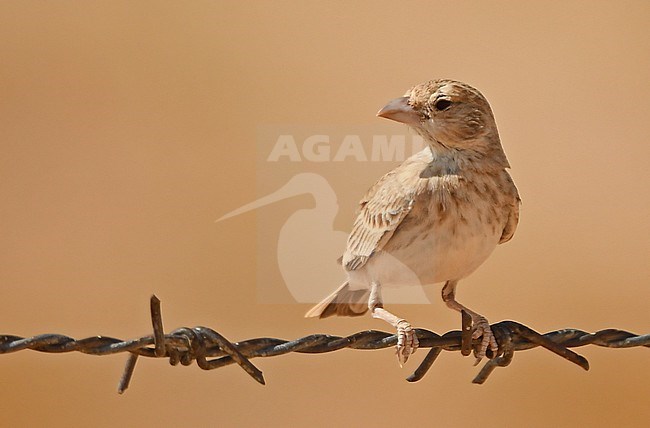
x: 211, y: 350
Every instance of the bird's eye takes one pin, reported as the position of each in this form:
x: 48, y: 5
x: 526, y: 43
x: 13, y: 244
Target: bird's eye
x: 442, y: 104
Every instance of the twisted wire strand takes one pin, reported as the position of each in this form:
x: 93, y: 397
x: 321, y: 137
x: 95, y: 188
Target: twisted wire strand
x: 211, y: 350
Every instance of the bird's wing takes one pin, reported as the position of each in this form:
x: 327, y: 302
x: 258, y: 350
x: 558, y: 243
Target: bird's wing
x: 513, y: 214
x: 381, y: 211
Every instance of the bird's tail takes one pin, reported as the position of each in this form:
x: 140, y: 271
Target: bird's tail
x: 343, y: 302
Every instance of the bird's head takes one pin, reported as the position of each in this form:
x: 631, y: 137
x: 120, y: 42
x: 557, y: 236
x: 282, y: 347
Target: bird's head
x: 451, y: 116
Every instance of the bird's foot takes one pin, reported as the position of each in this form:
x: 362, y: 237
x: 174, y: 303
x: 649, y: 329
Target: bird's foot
x: 481, y: 328
x: 407, y: 341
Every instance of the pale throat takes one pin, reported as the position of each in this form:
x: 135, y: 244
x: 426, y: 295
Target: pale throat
x: 450, y: 158
x: 443, y: 162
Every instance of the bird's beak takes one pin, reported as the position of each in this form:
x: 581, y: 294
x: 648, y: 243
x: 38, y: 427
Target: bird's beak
x: 399, y: 110
x: 266, y: 200
x: 285, y: 192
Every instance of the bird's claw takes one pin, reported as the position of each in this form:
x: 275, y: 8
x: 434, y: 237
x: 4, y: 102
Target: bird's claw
x: 407, y: 341
x: 482, y: 329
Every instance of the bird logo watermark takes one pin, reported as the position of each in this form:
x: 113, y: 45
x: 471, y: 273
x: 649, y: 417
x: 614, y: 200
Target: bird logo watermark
x: 300, y: 242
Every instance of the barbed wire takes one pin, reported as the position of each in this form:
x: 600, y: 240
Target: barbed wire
x: 185, y: 345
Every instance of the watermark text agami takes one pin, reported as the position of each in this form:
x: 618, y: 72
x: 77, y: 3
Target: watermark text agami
x: 322, y: 148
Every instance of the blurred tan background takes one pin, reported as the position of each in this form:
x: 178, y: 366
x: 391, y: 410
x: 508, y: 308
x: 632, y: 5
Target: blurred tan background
x: 127, y: 128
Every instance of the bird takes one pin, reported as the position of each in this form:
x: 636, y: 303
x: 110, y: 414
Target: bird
x: 438, y: 215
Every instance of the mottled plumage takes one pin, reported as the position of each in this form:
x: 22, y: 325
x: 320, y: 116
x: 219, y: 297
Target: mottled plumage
x: 437, y: 216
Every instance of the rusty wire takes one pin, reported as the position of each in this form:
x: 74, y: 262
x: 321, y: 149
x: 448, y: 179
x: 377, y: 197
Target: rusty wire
x: 185, y: 345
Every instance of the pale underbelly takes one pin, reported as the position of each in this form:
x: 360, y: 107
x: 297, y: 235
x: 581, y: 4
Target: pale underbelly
x: 427, y: 259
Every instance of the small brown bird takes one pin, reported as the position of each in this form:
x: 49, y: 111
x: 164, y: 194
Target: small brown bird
x: 436, y: 217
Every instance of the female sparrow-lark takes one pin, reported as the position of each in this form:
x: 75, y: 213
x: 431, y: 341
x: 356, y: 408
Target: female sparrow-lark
x: 437, y: 216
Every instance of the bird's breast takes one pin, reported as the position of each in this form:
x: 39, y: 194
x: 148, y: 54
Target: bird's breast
x: 453, y: 227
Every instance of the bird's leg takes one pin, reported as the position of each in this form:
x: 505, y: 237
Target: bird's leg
x: 407, y: 341
x: 480, y: 324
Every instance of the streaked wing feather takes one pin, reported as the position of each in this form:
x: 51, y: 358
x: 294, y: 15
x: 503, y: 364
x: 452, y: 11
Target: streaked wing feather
x: 513, y: 216
x: 381, y: 211
x: 511, y: 225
